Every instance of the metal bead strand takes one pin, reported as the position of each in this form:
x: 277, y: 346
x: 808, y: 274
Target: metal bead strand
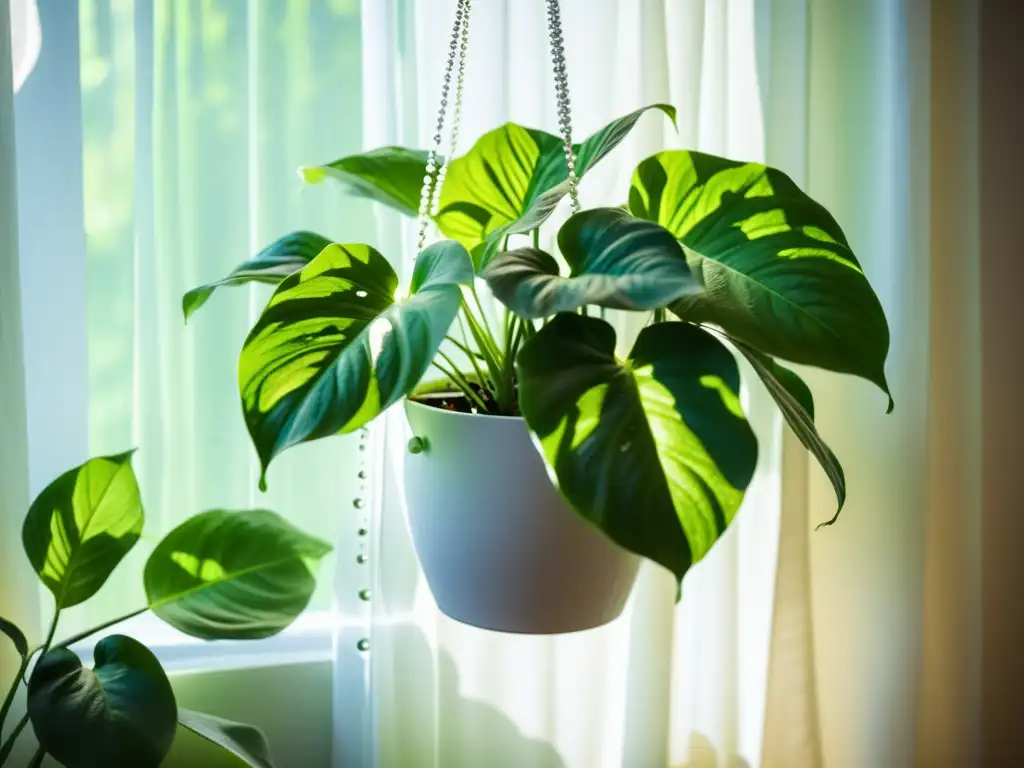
x: 428, y: 178
x: 453, y: 140
x: 562, y: 95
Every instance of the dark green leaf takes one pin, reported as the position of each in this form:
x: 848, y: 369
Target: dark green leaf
x: 389, y: 175
x: 273, y: 264
x: 777, y: 269
x: 797, y: 405
x: 654, y: 450
x: 333, y: 348
x: 17, y: 637
x: 512, y: 180
x: 81, y: 525
x: 246, y: 742
x: 120, y: 714
x: 615, y: 260
x: 232, y: 575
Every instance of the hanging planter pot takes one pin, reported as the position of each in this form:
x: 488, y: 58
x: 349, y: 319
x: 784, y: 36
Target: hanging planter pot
x: 500, y: 548
x: 651, y: 446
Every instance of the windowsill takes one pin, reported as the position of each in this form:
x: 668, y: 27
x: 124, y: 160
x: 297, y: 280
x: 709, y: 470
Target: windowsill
x: 308, y: 640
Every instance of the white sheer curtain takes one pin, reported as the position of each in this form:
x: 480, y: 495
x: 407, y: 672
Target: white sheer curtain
x: 664, y: 684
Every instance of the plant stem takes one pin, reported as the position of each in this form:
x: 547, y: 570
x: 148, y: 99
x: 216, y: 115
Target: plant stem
x: 52, y: 631
x: 472, y: 358
x: 37, y: 758
x: 9, y: 698
x: 659, y: 315
x: 86, y: 633
x: 460, y: 381
x: 5, y: 749
x: 485, y: 342
x: 466, y: 350
x: 535, y: 234
x: 483, y: 315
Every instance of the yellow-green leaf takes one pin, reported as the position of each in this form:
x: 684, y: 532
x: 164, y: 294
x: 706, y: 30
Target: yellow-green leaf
x: 81, y: 526
x: 512, y: 180
x: 333, y: 348
x: 389, y: 175
x: 654, y: 449
x: 777, y: 269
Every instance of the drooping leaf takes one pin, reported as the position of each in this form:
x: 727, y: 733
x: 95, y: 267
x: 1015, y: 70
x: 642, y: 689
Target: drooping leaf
x: 334, y: 348
x: 246, y: 742
x: 616, y: 261
x: 16, y: 636
x: 273, y: 264
x: 120, y: 714
x: 389, y: 175
x: 797, y: 405
x: 654, y: 450
x: 512, y: 180
x: 778, y: 271
x: 81, y: 525
x: 232, y: 575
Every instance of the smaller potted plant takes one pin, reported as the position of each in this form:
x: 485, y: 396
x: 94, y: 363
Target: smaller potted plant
x: 649, y: 450
x: 220, y: 575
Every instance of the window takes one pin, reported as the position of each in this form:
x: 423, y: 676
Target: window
x: 177, y: 128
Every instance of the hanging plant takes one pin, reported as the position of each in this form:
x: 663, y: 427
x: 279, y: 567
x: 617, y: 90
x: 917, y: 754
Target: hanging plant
x: 722, y: 257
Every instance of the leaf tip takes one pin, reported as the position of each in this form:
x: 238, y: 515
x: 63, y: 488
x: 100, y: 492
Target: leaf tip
x: 311, y: 174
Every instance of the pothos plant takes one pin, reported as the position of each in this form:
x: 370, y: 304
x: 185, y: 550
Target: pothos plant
x: 219, y: 575
x: 723, y: 257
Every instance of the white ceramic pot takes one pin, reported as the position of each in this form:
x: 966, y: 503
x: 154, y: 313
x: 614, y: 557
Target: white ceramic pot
x: 500, y: 548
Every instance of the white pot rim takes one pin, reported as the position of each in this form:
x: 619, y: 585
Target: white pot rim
x: 410, y: 402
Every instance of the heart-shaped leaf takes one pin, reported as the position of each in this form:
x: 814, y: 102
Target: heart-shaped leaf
x: 17, y: 637
x: 797, y: 405
x: 512, y: 180
x: 334, y: 348
x: 232, y: 575
x: 616, y: 261
x: 777, y: 269
x: 654, y: 450
x: 245, y: 742
x: 389, y: 175
x: 81, y: 525
x: 273, y: 264
x: 120, y: 714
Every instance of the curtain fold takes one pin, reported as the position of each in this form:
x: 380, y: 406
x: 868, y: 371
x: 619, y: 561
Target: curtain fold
x: 18, y: 592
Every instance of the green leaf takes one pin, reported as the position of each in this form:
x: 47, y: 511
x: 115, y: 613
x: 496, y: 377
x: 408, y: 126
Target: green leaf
x: 606, y: 139
x: 17, y: 637
x: 273, y: 264
x: 512, y: 180
x: 334, y: 348
x: 778, y: 271
x: 81, y: 525
x: 389, y: 175
x: 120, y: 714
x: 654, y: 450
x: 232, y: 575
x: 616, y: 261
x: 797, y: 405
x: 246, y: 742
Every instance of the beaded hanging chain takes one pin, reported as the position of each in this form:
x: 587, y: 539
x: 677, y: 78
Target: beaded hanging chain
x: 430, y: 195
x: 562, y: 96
